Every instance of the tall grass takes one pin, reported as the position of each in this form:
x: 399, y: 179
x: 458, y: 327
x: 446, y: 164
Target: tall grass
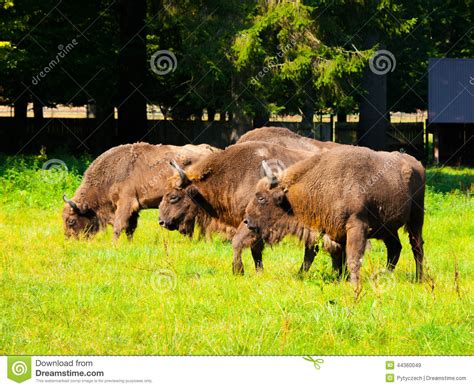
x: 165, y: 294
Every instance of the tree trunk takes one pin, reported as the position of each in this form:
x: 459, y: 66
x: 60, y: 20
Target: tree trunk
x: 261, y: 118
x: 241, y: 121
x: 18, y: 136
x: 341, y: 117
x: 373, y: 105
x: 20, y: 107
x: 38, y: 121
x: 132, y: 115
x: 106, y: 135
x: 211, y: 114
x: 307, y: 115
x: 38, y: 109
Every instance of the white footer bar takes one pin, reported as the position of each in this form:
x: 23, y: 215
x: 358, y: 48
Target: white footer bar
x: 238, y: 372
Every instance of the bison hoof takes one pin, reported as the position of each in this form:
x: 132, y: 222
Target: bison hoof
x: 238, y: 270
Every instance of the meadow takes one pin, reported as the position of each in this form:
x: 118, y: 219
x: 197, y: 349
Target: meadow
x: 163, y: 294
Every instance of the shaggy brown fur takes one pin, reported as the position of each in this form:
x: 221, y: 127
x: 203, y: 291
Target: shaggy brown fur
x: 349, y: 193
x: 219, y: 187
x: 286, y: 138
x: 121, y: 182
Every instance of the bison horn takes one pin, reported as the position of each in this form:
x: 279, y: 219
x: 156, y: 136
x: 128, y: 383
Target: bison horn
x: 269, y: 174
x: 184, y: 178
x: 72, y: 204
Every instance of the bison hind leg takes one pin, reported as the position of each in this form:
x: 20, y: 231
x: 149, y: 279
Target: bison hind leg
x: 394, y: 247
x: 356, y: 241
x: 414, y: 228
x: 416, y: 241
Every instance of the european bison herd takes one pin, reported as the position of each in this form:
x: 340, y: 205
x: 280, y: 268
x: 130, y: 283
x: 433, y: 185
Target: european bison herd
x: 270, y: 184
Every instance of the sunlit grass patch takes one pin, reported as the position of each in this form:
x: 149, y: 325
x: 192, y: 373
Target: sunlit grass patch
x: 166, y: 294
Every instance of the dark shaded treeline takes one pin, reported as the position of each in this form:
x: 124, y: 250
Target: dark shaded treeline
x: 245, y: 60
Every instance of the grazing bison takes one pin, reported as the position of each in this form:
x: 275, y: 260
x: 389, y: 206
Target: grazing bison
x: 351, y: 194
x: 121, y: 182
x: 286, y: 138
x: 219, y: 187
x: 289, y: 139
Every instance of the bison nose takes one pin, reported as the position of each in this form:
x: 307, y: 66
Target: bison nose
x: 170, y: 225
x: 250, y: 225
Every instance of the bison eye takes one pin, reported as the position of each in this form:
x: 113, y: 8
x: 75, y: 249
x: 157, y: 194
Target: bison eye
x: 261, y: 200
x: 71, y: 222
x: 174, y: 198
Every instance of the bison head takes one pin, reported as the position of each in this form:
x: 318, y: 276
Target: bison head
x: 268, y: 208
x: 181, y: 204
x: 79, y: 220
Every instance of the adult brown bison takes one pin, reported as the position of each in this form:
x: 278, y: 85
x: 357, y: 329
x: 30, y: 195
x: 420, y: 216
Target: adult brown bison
x: 219, y: 187
x: 351, y: 194
x: 289, y: 139
x: 286, y: 138
x: 121, y: 182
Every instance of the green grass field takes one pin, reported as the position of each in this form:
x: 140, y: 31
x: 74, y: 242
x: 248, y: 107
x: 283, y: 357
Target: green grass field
x: 165, y: 294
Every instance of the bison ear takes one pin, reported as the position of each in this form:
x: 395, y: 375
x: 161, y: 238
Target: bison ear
x: 279, y: 197
x: 196, y: 196
x: 183, y: 160
x: 206, y: 173
x: 281, y: 200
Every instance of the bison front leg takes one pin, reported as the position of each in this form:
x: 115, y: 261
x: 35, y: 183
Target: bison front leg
x: 339, y: 263
x: 238, y: 244
x: 257, y: 249
x: 245, y: 238
x: 126, y: 216
x: 132, y: 225
x: 310, y: 252
x: 337, y: 252
x: 356, y: 240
